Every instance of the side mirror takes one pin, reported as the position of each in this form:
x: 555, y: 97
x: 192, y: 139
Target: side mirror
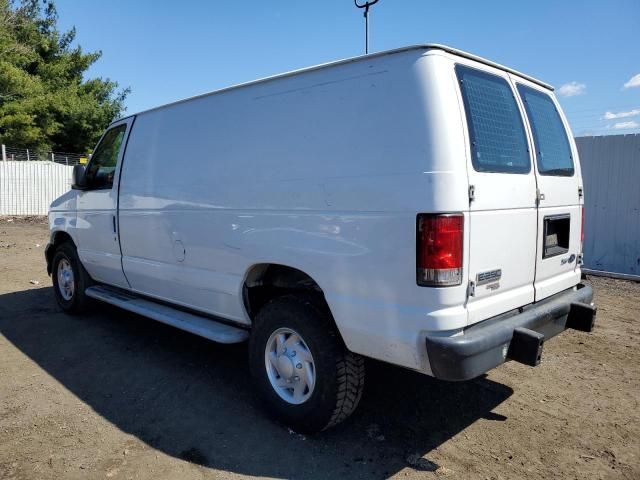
x: 78, y: 181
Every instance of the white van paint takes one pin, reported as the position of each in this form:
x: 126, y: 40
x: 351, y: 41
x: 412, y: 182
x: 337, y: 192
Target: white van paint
x: 325, y: 170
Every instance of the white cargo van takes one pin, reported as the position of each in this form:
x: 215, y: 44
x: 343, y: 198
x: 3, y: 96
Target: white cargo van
x: 420, y: 206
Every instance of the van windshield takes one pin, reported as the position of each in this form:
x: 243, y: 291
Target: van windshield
x: 549, y: 135
x: 496, y: 131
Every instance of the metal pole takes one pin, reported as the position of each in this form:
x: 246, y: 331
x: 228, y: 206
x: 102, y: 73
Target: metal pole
x: 366, y: 6
x: 366, y: 30
x: 27, y: 154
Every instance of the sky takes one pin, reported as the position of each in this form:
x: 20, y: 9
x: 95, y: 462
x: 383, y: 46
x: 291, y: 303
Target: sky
x: 164, y: 51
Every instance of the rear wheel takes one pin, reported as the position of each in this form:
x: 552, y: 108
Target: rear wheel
x: 306, y: 376
x: 70, y: 280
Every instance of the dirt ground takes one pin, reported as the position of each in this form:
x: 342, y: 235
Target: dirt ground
x: 114, y: 395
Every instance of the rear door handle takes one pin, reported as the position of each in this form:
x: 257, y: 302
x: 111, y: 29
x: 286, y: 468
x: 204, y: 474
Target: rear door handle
x: 113, y: 218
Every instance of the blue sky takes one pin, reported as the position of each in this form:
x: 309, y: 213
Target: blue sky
x: 167, y: 50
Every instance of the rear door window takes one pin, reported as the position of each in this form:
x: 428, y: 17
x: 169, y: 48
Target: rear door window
x: 549, y: 135
x: 498, y: 138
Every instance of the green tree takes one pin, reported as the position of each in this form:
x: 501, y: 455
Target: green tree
x: 45, y: 101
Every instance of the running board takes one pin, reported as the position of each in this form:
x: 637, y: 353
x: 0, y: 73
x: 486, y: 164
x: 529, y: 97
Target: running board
x: 201, y: 326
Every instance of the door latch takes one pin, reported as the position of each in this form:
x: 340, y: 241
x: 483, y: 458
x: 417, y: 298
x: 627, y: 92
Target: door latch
x: 539, y: 196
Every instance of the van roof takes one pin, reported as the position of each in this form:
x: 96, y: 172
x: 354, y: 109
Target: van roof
x: 424, y: 46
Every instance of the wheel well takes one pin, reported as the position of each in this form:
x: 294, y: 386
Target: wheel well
x: 267, y: 281
x: 58, y: 239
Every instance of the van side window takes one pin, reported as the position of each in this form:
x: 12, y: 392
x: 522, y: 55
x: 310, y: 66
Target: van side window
x: 549, y: 135
x: 498, y: 138
x: 102, y: 166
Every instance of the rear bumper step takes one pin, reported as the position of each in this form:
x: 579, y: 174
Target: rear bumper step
x: 201, y: 326
x: 582, y: 316
x: 519, y: 335
x: 526, y: 346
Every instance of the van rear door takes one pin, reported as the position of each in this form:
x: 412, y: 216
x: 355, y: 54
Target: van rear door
x: 502, y: 190
x: 559, y: 192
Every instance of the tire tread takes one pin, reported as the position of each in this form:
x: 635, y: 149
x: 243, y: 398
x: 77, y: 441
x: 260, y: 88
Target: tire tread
x: 349, y: 367
x: 80, y: 302
x: 351, y: 374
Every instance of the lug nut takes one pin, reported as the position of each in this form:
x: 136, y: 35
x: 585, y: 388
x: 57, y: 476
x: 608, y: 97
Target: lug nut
x: 293, y: 354
x: 299, y: 366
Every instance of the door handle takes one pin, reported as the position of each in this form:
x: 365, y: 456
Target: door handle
x: 113, y: 218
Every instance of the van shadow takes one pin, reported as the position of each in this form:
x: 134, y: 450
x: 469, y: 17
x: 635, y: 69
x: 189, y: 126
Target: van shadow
x: 193, y: 399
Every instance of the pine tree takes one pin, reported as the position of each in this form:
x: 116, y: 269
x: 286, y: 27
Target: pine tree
x: 45, y: 101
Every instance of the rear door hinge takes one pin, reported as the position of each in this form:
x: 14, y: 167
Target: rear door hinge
x: 580, y: 192
x: 472, y: 288
x: 472, y: 193
x: 539, y: 196
x: 580, y: 260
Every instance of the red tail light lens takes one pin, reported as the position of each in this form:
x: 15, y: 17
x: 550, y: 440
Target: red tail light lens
x: 439, y: 249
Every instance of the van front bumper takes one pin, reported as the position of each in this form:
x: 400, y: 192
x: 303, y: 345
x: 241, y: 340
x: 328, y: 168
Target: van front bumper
x: 518, y: 335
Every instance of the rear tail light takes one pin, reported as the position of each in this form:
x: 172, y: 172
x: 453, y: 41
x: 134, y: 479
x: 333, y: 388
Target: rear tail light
x: 439, y: 250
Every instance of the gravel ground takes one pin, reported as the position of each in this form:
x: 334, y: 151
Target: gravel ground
x: 114, y: 395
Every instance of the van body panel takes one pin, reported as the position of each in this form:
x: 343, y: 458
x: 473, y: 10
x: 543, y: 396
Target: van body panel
x: 364, y: 152
x: 97, y: 238
x: 323, y: 170
x: 500, y: 231
x: 558, y: 196
x: 63, y: 215
x: 503, y: 219
x: 558, y: 272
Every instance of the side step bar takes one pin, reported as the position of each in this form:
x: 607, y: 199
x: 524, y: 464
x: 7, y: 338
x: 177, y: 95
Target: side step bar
x: 201, y: 326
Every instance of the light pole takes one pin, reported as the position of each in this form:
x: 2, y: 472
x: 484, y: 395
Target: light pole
x: 366, y: 6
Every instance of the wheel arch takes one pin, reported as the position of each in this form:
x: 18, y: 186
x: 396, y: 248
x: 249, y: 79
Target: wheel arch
x: 57, y: 238
x: 265, y: 281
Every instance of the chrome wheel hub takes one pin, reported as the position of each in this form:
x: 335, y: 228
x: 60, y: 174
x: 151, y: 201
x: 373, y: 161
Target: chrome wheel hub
x: 290, y: 366
x: 66, y: 282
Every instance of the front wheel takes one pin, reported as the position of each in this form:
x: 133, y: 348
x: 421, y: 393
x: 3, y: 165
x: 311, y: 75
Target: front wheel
x: 70, y: 280
x: 306, y: 376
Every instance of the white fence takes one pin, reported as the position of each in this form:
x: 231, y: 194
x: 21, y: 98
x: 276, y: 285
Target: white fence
x: 30, y: 180
x: 610, y: 172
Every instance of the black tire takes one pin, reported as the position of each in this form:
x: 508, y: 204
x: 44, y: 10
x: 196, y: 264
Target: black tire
x: 79, y: 302
x: 339, y: 373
